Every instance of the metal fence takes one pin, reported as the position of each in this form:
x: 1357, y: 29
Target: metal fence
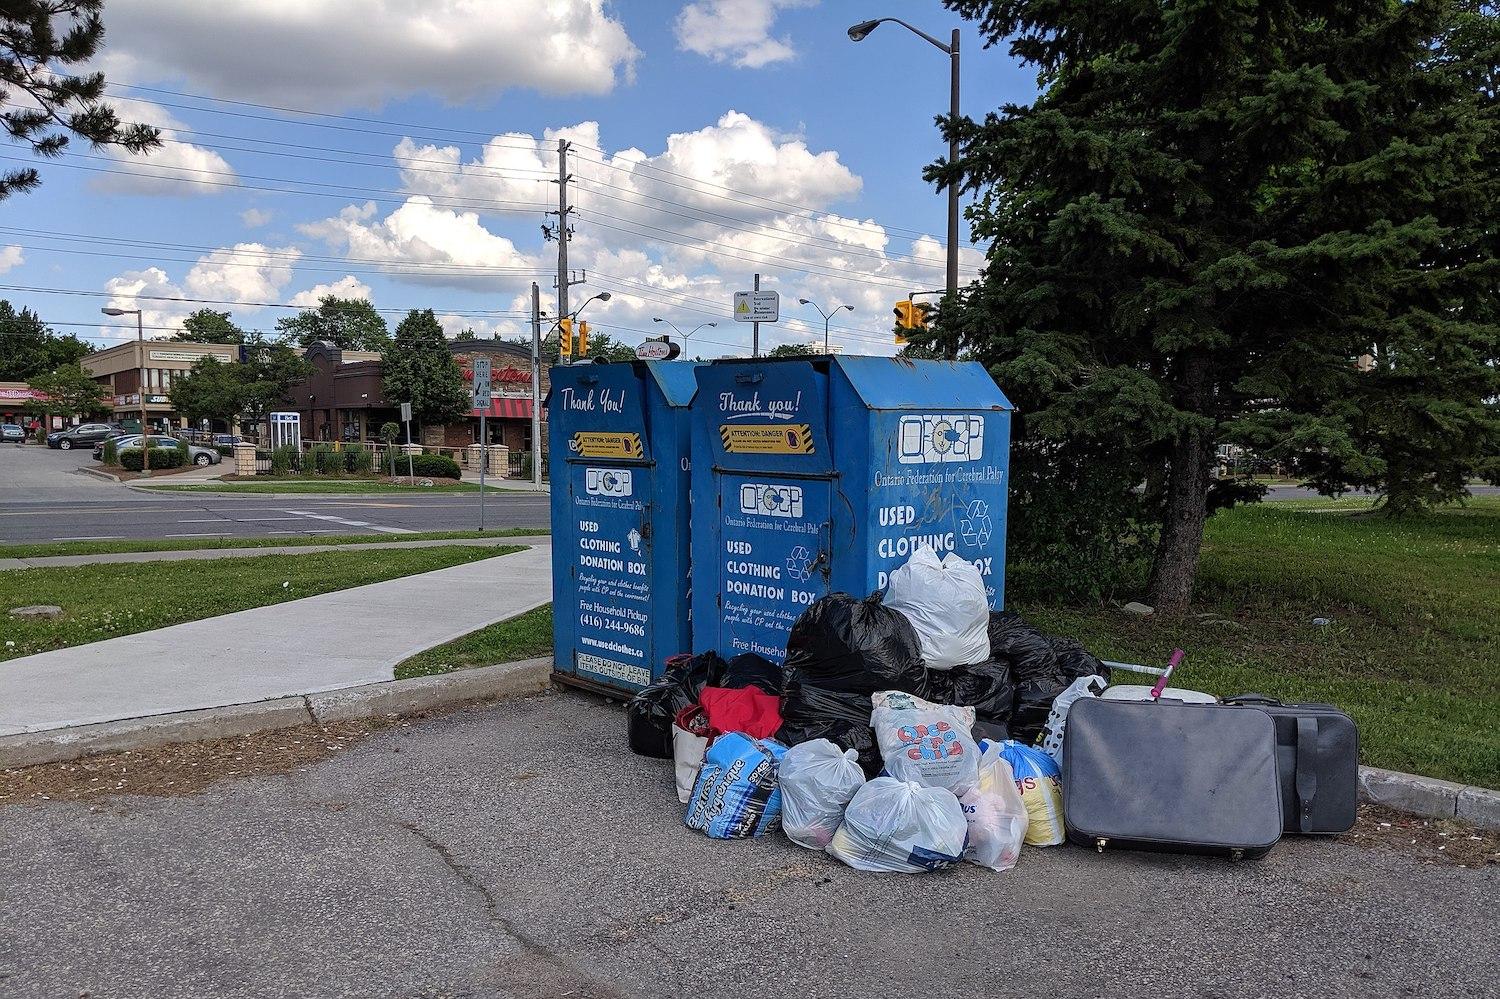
x: 520, y: 465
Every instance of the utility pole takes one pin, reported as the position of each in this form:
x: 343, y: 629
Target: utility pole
x: 563, y: 232
x: 536, y: 387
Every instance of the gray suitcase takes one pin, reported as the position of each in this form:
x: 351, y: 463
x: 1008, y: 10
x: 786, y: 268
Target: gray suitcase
x: 1317, y: 753
x: 1168, y: 775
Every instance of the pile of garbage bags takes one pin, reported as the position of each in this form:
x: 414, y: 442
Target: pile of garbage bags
x: 898, y: 735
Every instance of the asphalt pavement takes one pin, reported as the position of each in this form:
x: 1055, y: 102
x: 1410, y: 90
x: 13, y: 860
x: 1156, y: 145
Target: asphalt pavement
x: 45, y: 497
x: 520, y: 850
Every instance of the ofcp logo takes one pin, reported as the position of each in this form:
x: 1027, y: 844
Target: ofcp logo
x: 940, y: 437
x: 771, y: 500
x: 607, y: 481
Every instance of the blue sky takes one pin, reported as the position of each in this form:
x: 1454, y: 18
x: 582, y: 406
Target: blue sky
x: 714, y: 138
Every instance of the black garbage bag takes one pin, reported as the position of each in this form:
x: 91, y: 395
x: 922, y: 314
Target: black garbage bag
x: 986, y: 687
x: 650, y: 713
x: 1042, y: 668
x: 993, y: 731
x: 853, y: 646
x: 751, y: 670
x: 809, y: 712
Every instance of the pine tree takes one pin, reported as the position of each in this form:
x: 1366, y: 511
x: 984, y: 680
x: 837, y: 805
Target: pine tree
x: 1206, y: 219
x: 419, y: 368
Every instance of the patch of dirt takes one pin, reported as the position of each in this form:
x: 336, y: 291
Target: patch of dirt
x: 181, y: 768
x: 1446, y: 842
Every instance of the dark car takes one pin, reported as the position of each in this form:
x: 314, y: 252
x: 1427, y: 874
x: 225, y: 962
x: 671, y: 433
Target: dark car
x: 11, y: 432
x: 81, y: 435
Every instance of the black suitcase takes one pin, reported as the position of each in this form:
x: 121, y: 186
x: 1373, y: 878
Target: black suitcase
x: 1168, y: 775
x: 1317, y: 756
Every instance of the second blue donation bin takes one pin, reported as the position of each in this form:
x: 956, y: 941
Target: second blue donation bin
x: 818, y: 474
x: 618, y: 450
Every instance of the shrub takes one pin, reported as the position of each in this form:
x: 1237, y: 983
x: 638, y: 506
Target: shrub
x: 361, y: 460
x: 320, y: 460
x: 111, y: 452
x: 161, y: 457
x: 184, y: 450
x: 431, y: 466
x: 226, y: 450
x: 282, y: 459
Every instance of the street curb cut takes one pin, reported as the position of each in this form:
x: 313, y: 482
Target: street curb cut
x: 1430, y: 797
x: 374, y: 700
x: 98, y: 474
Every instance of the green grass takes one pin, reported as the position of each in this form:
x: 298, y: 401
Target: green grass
x: 46, y: 548
x: 107, y: 601
x: 1413, y: 651
x: 340, y: 487
x: 524, y: 637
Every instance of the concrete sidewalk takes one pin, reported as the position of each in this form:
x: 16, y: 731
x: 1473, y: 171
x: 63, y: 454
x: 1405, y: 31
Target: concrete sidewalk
x: 189, y: 554
x: 334, y: 640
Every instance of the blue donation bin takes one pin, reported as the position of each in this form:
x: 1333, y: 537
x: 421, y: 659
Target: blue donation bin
x: 618, y: 450
x: 822, y: 474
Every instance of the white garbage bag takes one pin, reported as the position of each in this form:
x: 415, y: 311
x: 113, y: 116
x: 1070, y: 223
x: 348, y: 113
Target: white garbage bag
x: 688, y: 747
x: 817, y: 781
x: 894, y: 825
x: 932, y: 744
x: 996, y: 814
x: 947, y: 605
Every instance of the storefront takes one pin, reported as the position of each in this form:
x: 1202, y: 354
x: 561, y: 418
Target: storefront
x: 15, y: 398
x: 140, y: 374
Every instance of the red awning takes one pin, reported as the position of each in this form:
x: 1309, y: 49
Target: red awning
x: 507, y: 409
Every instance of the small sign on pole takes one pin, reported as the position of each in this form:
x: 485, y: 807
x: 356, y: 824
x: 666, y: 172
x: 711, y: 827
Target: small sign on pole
x: 406, y: 412
x: 757, y: 307
x: 482, y: 383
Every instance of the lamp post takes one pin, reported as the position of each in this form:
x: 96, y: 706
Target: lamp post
x: 826, y: 316
x: 140, y: 341
x: 684, y: 336
x: 862, y: 30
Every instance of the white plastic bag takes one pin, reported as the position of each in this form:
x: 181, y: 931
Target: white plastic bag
x: 932, y: 744
x: 894, y: 825
x: 1057, y: 718
x: 995, y: 813
x: 947, y: 605
x: 687, y: 757
x: 817, y: 781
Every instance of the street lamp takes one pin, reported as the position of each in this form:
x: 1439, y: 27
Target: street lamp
x: 684, y: 336
x: 140, y: 340
x: 858, y: 33
x: 826, y: 315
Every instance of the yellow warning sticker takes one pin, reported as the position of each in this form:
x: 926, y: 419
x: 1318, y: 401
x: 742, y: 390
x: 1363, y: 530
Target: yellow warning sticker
x: 606, y: 444
x: 764, y: 438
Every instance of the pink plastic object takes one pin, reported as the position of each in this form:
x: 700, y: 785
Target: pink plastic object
x: 1161, y: 683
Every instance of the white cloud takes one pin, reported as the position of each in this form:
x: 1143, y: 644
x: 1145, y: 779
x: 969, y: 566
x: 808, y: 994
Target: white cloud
x: 175, y: 167
x: 347, y: 286
x: 338, y: 53
x: 254, y: 218
x: 736, y: 31
x: 245, y: 272
x: 11, y: 257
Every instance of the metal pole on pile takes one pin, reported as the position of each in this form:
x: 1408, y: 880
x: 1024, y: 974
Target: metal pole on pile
x: 484, y: 464
x: 536, y: 387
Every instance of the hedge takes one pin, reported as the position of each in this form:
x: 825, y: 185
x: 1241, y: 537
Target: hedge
x: 111, y: 452
x: 161, y: 457
x: 432, y: 466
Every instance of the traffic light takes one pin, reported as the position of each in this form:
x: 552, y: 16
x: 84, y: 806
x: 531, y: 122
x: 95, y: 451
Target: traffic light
x: 910, y: 315
x: 583, y: 339
x: 565, y: 338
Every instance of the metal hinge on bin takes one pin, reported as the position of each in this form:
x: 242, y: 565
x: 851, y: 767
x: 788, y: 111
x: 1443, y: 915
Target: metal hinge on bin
x: 1100, y: 843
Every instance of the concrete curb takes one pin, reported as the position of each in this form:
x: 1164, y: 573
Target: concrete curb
x: 1430, y: 797
x: 201, y: 554
x: 98, y: 473
x: 228, y: 490
x: 374, y: 700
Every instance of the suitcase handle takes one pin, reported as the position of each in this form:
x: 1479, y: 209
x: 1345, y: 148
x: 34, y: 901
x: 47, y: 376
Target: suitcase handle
x: 1252, y: 699
x: 1166, y: 674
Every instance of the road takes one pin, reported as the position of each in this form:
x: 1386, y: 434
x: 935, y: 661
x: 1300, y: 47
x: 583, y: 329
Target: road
x: 520, y: 850
x: 43, y: 497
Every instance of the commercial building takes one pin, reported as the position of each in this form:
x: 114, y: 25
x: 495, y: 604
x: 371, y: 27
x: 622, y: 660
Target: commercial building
x: 13, y: 399
x: 148, y: 368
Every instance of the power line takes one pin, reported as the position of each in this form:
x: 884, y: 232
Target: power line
x: 38, y: 290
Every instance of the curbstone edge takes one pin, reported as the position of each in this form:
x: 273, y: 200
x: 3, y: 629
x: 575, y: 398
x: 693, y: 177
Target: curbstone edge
x: 1427, y: 796
x: 1479, y: 806
x: 423, y: 693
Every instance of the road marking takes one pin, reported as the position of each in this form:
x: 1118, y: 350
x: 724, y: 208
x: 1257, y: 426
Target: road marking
x: 350, y: 523
x: 198, y: 535
x: 249, y: 520
x: 94, y: 537
x: 211, y: 520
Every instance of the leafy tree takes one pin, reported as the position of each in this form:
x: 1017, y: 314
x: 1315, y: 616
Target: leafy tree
x: 69, y: 390
x: 1207, y: 216
x: 268, y: 373
x: 208, y: 326
x: 39, y: 41
x: 28, y: 347
x: 211, y: 390
x: 419, y: 368
x: 467, y: 333
x: 347, y: 323
x: 792, y: 350
x: 601, y: 345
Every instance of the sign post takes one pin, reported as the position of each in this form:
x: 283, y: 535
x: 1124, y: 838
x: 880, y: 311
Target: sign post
x: 482, y: 403
x: 406, y: 419
x: 757, y: 307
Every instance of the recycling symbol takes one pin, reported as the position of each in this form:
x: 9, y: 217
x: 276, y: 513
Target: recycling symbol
x: 798, y: 565
x: 974, y: 525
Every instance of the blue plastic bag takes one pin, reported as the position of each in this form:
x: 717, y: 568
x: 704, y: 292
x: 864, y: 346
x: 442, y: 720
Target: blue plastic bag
x: 738, y: 791
x: 1039, y: 779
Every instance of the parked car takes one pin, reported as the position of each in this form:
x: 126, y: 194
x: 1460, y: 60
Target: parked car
x: 11, y: 432
x: 197, y: 455
x: 84, y: 433
x: 227, y: 439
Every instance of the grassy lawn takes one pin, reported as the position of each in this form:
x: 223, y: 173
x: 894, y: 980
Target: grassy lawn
x: 1413, y: 650
x: 106, y: 601
x: 45, y: 548
x: 524, y: 637
x: 340, y: 487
